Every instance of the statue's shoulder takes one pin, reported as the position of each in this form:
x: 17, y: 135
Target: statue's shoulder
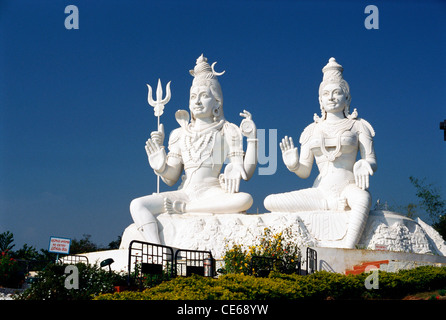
x: 307, y: 133
x: 363, y: 126
x: 175, y: 135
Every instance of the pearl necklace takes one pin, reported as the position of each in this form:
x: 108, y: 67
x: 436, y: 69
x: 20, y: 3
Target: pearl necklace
x: 197, y: 143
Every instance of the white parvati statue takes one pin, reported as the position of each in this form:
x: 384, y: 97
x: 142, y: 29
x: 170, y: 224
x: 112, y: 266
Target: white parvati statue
x: 333, y: 140
x: 200, y: 147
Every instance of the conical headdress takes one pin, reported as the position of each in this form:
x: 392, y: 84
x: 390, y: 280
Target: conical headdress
x: 203, y: 71
x: 332, y: 72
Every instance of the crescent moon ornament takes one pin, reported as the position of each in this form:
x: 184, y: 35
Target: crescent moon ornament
x: 214, y: 72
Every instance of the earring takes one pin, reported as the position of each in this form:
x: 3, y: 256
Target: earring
x: 216, y: 113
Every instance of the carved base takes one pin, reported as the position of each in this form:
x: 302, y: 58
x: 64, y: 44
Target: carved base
x: 384, y: 231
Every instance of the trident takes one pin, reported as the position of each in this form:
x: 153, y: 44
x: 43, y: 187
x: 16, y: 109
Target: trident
x: 158, y: 106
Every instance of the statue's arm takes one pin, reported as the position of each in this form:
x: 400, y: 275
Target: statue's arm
x: 249, y: 130
x: 234, y: 143
x: 300, y: 165
x: 169, y: 167
x: 173, y: 170
x: 305, y: 162
x: 366, y: 144
x: 367, y: 165
x: 250, y: 160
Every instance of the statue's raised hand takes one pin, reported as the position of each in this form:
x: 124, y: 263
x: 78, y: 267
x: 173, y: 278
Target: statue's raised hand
x: 156, y: 154
x: 247, y: 126
x: 362, y: 170
x: 289, y: 153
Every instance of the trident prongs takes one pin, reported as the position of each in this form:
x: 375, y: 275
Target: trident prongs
x: 159, y: 103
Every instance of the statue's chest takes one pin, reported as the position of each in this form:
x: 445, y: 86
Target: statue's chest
x: 198, y: 147
x: 332, y: 144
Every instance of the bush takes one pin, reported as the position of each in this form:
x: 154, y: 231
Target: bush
x: 278, y: 246
x: 50, y: 284
x: 318, y: 286
x: 10, y: 275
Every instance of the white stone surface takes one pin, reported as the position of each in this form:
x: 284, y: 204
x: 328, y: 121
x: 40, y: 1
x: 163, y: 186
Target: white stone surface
x: 440, y: 244
x: 397, y: 233
x: 119, y: 256
x: 214, y: 231
x: 409, y: 243
x: 341, y: 259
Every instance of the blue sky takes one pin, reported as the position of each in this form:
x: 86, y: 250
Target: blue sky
x: 73, y: 103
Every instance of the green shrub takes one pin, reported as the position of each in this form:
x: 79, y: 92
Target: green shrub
x: 317, y: 286
x: 278, y: 246
x: 50, y: 284
x: 9, y: 271
x: 425, y: 278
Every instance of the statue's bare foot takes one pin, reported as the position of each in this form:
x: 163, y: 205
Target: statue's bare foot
x: 174, y: 207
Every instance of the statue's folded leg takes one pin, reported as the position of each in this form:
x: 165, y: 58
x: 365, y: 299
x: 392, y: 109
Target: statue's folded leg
x: 360, y: 202
x: 145, y: 209
x: 221, y: 202
x: 302, y: 200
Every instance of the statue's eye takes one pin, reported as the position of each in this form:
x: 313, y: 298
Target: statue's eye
x: 192, y: 96
x: 204, y: 95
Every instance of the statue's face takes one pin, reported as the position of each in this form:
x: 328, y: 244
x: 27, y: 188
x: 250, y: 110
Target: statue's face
x: 202, y: 102
x: 333, y: 98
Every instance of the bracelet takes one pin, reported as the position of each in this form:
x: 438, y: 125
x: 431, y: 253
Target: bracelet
x: 252, y: 139
x: 294, y: 168
x: 235, y: 154
x: 163, y: 170
x: 174, y: 154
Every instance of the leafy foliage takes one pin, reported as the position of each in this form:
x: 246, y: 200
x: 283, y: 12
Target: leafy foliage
x: 432, y: 203
x: 83, y: 245
x: 15, y: 264
x: 6, y: 240
x: 431, y: 200
x: 318, y: 286
x: 93, y: 280
x: 278, y: 246
x: 9, y: 271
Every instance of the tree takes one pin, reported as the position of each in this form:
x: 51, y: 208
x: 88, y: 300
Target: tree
x: 115, y: 244
x: 432, y: 203
x: 6, y: 240
x: 83, y: 245
x: 86, y: 245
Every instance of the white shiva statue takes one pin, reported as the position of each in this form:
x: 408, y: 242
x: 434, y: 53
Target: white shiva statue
x: 333, y: 140
x: 200, y: 147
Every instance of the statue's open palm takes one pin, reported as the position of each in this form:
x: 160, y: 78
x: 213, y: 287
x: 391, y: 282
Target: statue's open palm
x: 289, y: 153
x: 155, y: 150
x: 230, y: 180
